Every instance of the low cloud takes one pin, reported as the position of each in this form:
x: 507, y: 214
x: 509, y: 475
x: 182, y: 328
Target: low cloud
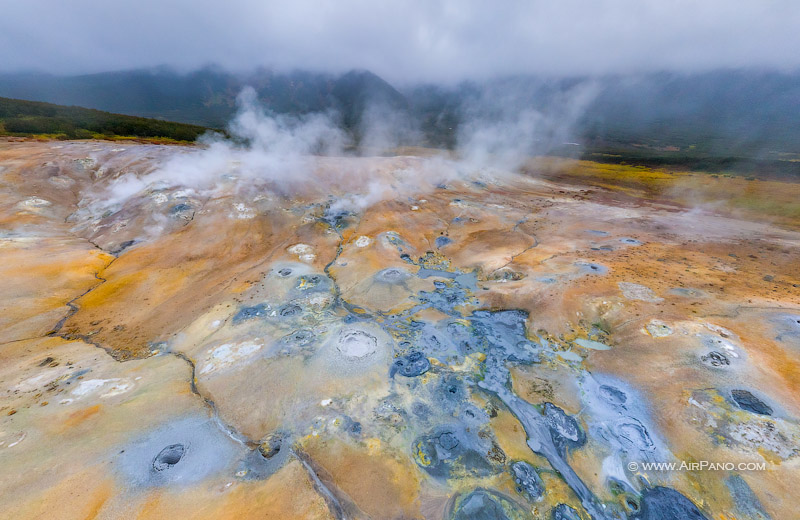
x: 403, y: 41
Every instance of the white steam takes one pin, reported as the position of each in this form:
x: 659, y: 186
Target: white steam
x: 274, y: 149
x: 507, y: 125
x: 301, y: 156
x: 383, y: 128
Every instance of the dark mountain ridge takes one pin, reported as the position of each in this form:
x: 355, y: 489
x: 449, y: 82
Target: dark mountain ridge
x: 664, y: 118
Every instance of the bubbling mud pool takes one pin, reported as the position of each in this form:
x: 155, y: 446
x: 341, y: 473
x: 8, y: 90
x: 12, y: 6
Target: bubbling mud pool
x: 480, y: 349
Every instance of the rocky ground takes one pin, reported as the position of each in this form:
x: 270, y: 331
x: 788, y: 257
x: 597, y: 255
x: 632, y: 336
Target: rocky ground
x: 446, y: 343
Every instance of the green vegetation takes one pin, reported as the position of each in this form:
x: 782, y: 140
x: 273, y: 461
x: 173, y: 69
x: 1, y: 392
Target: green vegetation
x: 775, y: 198
x: 34, y: 119
x: 689, y: 159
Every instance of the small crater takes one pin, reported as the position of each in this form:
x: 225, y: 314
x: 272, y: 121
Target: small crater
x: 411, y: 365
x: 715, y: 359
x: 392, y: 275
x: 634, y: 435
x: 288, y: 311
x: 271, y: 445
x: 357, y: 343
x: 179, y: 209
x: 612, y: 395
x: 248, y: 313
x: 169, y: 457
x: 565, y: 512
x: 591, y: 268
x: 448, y: 441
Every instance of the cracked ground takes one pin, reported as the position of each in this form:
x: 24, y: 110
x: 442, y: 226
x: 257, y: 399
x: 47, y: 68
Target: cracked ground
x: 493, y: 344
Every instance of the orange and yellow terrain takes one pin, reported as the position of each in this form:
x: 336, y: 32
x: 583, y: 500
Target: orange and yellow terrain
x: 397, y: 337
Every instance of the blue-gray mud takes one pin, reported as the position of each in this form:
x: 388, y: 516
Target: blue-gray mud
x: 483, y: 504
x: 547, y: 436
x: 746, y: 501
x: 745, y: 400
x: 180, y: 452
x: 528, y: 481
x: 459, y: 441
x: 501, y: 336
x: 661, y: 503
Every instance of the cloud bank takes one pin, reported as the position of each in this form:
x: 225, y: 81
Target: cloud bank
x: 403, y: 40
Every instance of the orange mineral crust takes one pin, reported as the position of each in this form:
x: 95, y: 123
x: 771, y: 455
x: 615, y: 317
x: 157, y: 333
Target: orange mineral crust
x: 399, y: 337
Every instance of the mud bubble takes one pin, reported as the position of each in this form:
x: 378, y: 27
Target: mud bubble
x: 354, y: 343
x: 392, y: 275
x: 565, y: 512
x: 591, y: 268
x: 249, y: 313
x: 634, y: 436
x: 412, y: 364
x: 179, y: 210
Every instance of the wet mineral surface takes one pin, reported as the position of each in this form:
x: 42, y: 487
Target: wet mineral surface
x: 485, y: 345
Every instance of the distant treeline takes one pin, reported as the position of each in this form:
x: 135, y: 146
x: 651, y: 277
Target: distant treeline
x: 740, y: 166
x: 28, y: 118
x: 761, y: 167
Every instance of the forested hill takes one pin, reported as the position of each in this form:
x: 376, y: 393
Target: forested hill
x: 31, y: 118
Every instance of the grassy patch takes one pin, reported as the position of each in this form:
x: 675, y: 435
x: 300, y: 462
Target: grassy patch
x: 777, y: 199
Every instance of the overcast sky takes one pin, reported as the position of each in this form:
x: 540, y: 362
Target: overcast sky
x: 403, y: 41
